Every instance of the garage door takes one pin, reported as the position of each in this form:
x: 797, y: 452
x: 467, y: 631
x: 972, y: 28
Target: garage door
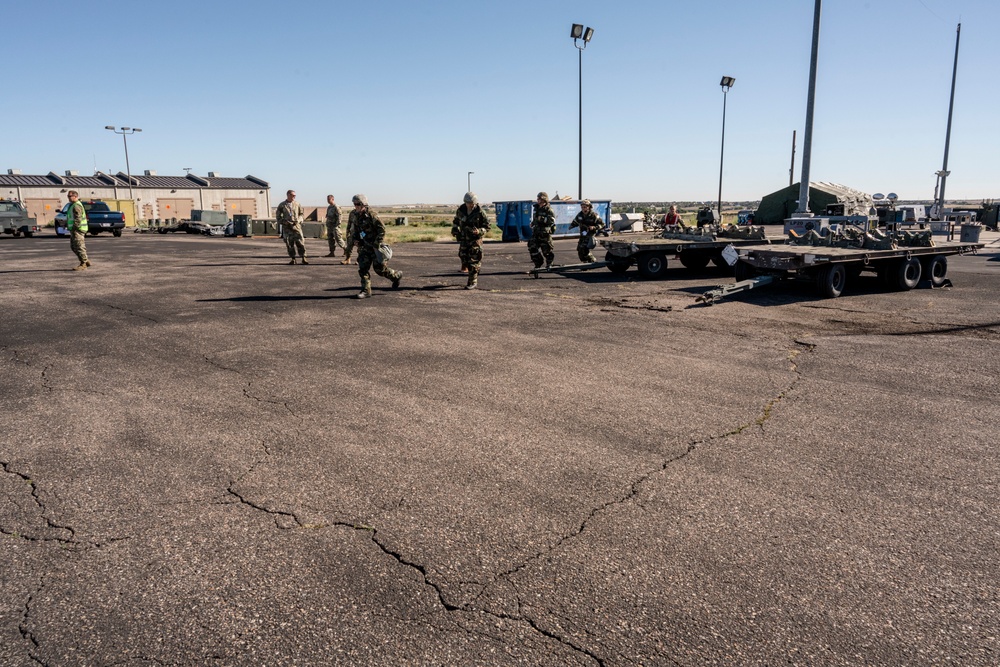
x: 174, y: 208
x: 241, y: 206
x: 42, y: 210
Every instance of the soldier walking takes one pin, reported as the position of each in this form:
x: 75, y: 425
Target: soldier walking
x: 76, y: 224
x: 333, y: 234
x: 469, y: 228
x: 543, y: 225
x: 369, y: 233
x: 290, y: 218
x: 590, y: 226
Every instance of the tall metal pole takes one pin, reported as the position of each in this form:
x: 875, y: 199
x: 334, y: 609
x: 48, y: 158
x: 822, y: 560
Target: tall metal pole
x: 469, y: 181
x: 791, y: 171
x: 951, y: 108
x: 803, y: 208
x: 722, y: 154
x: 128, y: 169
x: 580, y: 183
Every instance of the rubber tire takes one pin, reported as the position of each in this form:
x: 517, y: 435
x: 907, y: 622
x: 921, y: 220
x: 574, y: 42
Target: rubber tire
x: 831, y: 279
x: 906, y: 274
x: 94, y: 233
x: 694, y: 261
x: 936, y: 270
x: 652, y: 265
x: 116, y: 232
x: 28, y: 235
x: 16, y: 233
x: 744, y: 271
x: 617, y: 264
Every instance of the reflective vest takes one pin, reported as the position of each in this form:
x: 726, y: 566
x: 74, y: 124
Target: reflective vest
x: 72, y: 223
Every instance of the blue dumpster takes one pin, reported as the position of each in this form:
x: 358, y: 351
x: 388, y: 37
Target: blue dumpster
x: 514, y: 217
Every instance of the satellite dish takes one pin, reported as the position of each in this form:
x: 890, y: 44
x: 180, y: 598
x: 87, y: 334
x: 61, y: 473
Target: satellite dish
x: 892, y: 196
x: 878, y: 196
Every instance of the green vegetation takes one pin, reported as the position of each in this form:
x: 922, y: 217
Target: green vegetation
x: 432, y: 223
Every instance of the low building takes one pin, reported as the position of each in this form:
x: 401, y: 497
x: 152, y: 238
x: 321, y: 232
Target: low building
x: 155, y: 197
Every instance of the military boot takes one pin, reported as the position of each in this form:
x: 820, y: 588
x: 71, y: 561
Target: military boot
x: 304, y: 260
x: 346, y: 260
x: 87, y: 262
x: 80, y: 268
x: 292, y: 261
x: 473, y: 280
x: 395, y: 281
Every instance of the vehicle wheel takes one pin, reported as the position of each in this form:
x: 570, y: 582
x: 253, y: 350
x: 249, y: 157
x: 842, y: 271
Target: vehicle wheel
x: 117, y: 232
x: 744, y: 271
x: 936, y: 270
x: 94, y: 233
x: 162, y: 231
x: 617, y: 264
x: 906, y: 274
x: 694, y: 261
x: 28, y: 235
x: 16, y: 233
x: 830, y: 280
x: 652, y: 265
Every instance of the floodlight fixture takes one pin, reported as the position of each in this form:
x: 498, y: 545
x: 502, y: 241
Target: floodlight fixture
x: 727, y: 82
x: 576, y: 32
x: 579, y: 32
x: 125, y: 131
x: 588, y: 34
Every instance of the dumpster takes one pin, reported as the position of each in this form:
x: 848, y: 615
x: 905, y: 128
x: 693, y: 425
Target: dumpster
x: 514, y: 217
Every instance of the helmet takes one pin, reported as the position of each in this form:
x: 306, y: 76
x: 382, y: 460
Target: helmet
x: 544, y: 196
x: 471, y: 198
x: 360, y: 199
x: 586, y: 202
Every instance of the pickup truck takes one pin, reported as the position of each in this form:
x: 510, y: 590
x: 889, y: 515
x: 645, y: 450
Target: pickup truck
x: 100, y: 218
x: 14, y: 219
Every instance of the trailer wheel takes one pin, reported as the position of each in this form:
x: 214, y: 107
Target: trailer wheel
x: 831, y: 279
x: 853, y: 270
x: 617, y: 264
x: 936, y: 270
x: 906, y: 274
x: 694, y: 261
x: 652, y: 265
x: 744, y: 271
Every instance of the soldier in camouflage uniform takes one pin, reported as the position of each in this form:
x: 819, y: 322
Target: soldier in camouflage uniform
x: 333, y: 234
x: 543, y: 225
x: 290, y: 217
x: 469, y: 227
x: 350, y: 238
x: 76, y: 225
x: 369, y: 233
x: 590, y: 226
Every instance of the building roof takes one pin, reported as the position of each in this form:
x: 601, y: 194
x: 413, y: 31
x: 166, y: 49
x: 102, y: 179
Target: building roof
x: 120, y: 179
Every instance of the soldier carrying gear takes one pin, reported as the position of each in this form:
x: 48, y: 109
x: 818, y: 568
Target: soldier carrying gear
x: 543, y: 225
x: 369, y: 232
x: 590, y: 226
x: 469, y: 227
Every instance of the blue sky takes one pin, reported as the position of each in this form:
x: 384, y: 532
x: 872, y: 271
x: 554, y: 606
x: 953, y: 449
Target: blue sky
x: 400, y: 100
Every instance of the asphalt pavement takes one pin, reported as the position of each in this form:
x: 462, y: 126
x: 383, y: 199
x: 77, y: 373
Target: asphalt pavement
x: 208, y: 456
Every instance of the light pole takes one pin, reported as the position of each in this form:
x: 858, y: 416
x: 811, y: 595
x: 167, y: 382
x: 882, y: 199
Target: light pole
x: 125, y: 131
x: 469, y: 181
x: 726, y: 83
x: 578, y: 32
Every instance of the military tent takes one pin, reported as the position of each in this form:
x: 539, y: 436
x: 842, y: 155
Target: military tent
x: 777, y: 206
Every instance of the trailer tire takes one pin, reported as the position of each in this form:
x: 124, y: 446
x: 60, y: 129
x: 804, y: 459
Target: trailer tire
x: 906, y: 274
x: 652, y: 265
x: 830, y: 280
x: 617, y: 264
x: 694, y: 261
x: 936, y: 270
x: 744, y: 271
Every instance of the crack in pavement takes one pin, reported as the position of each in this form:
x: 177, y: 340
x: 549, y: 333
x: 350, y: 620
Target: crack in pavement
x: 127, y: 311
x: 26, y: 634
x: 246, y: 393
x: 522, y: 616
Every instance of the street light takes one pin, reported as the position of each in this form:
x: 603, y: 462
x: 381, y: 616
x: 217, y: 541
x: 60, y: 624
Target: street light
x: 469, y: 181
x: 124, y: 131
x: 726, y: 83
x: 578, y: 32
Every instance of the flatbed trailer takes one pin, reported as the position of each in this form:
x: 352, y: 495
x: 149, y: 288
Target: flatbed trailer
x: 693, y: 251
x: 831, y: 269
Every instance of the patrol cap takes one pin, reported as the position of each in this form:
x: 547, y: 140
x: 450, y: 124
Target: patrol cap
x: 360, y: 199
x: 544, y: 196
x: 471, y: 198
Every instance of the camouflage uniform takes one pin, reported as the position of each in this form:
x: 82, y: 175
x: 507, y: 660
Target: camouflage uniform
x: 351, y: 242
x: 543, y: 225
x: 290, y: 217
x: 469, y: 227
x: 333, y: 234
x: 369, y: 233
x: 76, y: 224
x: 590, y: 225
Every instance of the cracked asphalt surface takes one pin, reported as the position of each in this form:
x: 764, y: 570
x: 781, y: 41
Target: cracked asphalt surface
x: 211, y: 457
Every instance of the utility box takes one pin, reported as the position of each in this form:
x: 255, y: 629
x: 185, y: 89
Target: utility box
x: 126, y: 206
x: 242, y: 226
x: 514, y: 217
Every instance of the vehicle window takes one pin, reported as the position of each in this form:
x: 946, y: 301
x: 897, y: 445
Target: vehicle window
x: 9, y: 207
x: 98, y: 206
